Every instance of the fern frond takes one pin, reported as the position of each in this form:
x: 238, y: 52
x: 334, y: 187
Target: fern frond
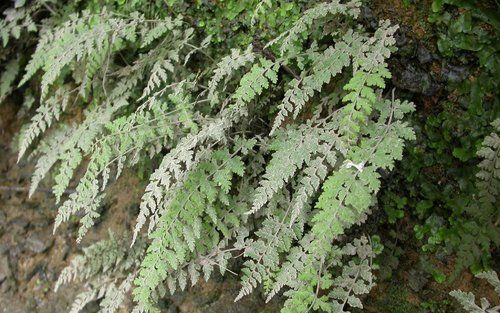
x: 46, y: 114
x: 489, y: 173
x: 7, y: 78
x: 326, y: 66
x: 225, y: 68
x: 292, y: 149
x: 159, y: 30
x: 293, y: 36
x: 256, y: 81
x: 180, y: 226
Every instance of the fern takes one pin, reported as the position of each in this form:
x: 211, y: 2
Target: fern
x: 255, y: 81
x: 83, y: 36
x: 225, y: 68
x: 229, y: 184
x: 326, y: 66
x: 292, y: 151
x: 370, y: 71
x: 104, y: 264
x: 8, y: 77
x: 127, y: 138
x: 356, y: 279
x: 488, y: 176
x: 47, y: 113
x: 346, y: 197
x: 166, y: 58
x: 480, y: 233
x: 291, y: 37
x: 170, y: 172
x: 468, y: 300
x: 180, y: 227
x: 159, y: 30
x: 80, y: 139
x: 17, y: 20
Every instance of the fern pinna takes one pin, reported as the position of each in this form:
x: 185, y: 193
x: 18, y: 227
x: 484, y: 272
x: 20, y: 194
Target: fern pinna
x: 271, y: 151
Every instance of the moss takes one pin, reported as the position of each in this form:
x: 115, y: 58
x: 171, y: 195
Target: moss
x: 413, y: 15
x: 396, y: 299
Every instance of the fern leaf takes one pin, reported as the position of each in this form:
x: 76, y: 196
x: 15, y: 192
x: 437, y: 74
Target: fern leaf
x: 47, y: 113
x: 8, y: 77
x: 225, y: 68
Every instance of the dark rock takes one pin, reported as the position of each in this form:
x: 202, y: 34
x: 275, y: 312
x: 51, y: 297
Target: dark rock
x: 39, y: 242
x: 454, y: 73
x: 401, y: 39
x: 368, y: 17
x: 443, y: 255
x: 91, y: 307
x: 423, y: 55
x: 414, y: 79
x: 7, y: 285
x: 30, y: 305
x: 173, y: 309
x: 5, y: 271
x: 65, y: 251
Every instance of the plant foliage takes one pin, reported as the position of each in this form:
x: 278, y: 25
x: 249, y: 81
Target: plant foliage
x: 268, y: 147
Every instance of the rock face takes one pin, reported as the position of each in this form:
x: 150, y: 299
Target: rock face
x: 39, y: 242
x: 217, y: 296
x: 414, y: 79
x: 454, y: 73
x: 424, y: 55
x: 5, y: 271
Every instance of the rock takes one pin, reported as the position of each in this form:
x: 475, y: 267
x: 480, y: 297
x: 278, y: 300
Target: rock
x: 19, y: 225
x: 401, y: 39
x: 7, y: 286
x: 454, y: 73
x: 5, y: 271
x: 414, y: 79
x: 368, y: 17
x: 64, y: 251
x: 39, y: 242
x: 423, y: 55
x: 3, y: 218
x: 91, y: 307
x: 14, y: 251
x: 4, y: 249
x: 30, y: 306
x: 30, y: 272
x: 40, y: 222
x: 173, y: 309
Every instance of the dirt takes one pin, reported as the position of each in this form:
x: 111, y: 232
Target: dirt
x: 32, y: 256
